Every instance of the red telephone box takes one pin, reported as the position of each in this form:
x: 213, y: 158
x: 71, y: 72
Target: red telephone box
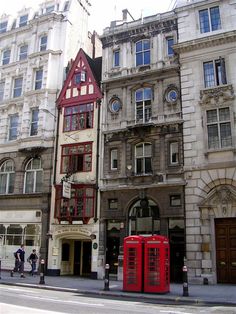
x: 156, y: 264
x: 133, y: 264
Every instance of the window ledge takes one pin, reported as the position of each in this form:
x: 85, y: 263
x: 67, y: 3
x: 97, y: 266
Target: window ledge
x: 220, y: 150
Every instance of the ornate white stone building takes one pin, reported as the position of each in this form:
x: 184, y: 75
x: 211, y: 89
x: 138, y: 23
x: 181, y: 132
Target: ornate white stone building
x: 34, y: 50
x: 207, y: 51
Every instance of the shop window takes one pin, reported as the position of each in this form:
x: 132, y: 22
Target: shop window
x: 76, y: 158
x: 14, y: 235
x: 78, y: 117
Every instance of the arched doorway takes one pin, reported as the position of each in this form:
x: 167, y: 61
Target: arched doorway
x: 144, y: 218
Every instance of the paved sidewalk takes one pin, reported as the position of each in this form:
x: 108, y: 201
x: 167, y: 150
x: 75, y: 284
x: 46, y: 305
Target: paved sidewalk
x: 198, y: 294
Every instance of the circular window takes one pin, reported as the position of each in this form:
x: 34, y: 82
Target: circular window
x: 172, y: 95
x: 115, y: 105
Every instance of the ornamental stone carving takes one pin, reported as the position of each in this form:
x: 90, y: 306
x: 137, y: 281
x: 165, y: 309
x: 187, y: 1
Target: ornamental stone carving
x: 216, y: 95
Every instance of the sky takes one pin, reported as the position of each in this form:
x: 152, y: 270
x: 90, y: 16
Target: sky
x: 102, y: 12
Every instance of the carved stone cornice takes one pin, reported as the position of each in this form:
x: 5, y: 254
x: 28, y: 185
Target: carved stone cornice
x: 139, y: 32
x: 216, y: 95
x: 206, y: 42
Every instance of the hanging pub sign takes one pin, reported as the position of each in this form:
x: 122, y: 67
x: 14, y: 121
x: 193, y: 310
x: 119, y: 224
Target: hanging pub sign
x: 66, y: 189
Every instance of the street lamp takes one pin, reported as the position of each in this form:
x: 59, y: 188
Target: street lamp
x: 47, y: 111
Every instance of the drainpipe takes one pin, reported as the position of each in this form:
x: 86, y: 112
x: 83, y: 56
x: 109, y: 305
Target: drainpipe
x: 98, y: 103
x: 56, y: 147
x: 180, y: 95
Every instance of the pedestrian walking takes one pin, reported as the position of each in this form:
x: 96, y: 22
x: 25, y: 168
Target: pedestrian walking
x: 32, y: 259
x: 19, y: 261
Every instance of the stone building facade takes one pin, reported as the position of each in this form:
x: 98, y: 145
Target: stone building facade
x: 207, y: 52
x: 34, y: 50
x: 141, y: 172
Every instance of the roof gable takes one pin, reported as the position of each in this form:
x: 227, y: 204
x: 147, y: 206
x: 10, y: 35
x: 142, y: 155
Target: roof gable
x: 82, y: 82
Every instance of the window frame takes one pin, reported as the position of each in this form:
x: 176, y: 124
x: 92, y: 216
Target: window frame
x: 23, y: 55
x: 76, y: 118
x: 143, y: 159
x: 218, y: 123
x: 38, y: 82
x: 34, y: 122
x: 171, y: 157
x: 16, y: 89
x: 143, y: 52
x: 23, y: 20
x: 114, y: 159
x: 36, y: 172
x: 67, y: 209
x: 116, y: 58
x: 2, y: 89
x: 13, y: 129
x: 143, y: 105
x: 206, y: 22
x: 43, y: 45
x: 3, y: 27
x: 214, y: 73
x: 6, y: 59
x: 69, y: 164
x: 169, y: 47
x: 10, y: 177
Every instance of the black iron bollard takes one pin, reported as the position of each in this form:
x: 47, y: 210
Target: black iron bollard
x: 106, y: 281
x: 185, y: 281
x: 42, y: 264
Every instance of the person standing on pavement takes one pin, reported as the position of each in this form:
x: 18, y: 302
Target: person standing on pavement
x: 32, y: 259
x: 20, y: 261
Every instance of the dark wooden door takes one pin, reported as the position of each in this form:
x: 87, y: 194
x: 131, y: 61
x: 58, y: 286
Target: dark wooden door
x: 77, y: 257
x: 225, y: 230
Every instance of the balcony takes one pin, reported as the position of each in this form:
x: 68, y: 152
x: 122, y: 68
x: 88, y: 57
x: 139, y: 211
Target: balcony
x: 156, y: 120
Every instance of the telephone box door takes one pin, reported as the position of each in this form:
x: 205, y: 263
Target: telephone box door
x: 156, y: 264
x: 133, y: 264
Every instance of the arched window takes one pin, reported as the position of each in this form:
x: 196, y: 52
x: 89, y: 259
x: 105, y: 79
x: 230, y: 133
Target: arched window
x: 33, y: 176
x: 143, y: 105
x: 7, y: 177
x: 143, y: 158
x: 144, y: 218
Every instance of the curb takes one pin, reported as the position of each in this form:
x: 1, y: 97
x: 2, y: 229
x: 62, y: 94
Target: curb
x: 177, y: 300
